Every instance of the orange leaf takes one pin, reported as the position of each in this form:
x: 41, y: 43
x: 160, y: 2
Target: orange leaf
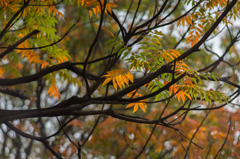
x: 105, y: 29
x: 182, y: 95
x: 21, y: 35
x: 189, y: 96
x: 90, y: 12
x: 89, y: 3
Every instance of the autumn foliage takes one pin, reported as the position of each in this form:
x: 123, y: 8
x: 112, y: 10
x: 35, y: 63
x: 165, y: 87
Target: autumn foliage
x: 119, y: 79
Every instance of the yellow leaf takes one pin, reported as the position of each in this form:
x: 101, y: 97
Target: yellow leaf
x: 176, y: 52
x: 130, y: 76
x: 183, y: 64
x: 121, y: 80
x: 142, y: 106
x: 130, y: 105
x: 135, y: 107
x: 125, y: 78
x: 114, y: 83
x: 169, y: 56
x: 118, y: 82
x: 145, y: 103
x: 106, y: 81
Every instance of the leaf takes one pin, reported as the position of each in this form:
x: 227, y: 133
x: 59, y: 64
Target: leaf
x: 121, y: 51
x: 114, y: 83
x: 119, y: 78
x: 117, y: 48
x: 103, y: 28
x: 142, y: 107
x: 125, y: 78
x: 130, y: 105
x: 130, y: 76
x: 106, y: 81
x: 90, y: 13
x: 135, y: 107
x: 206, y: 98
x: 150, y: 85
x: 119, y: 81
x: 189, y: 96
x: 158, y: 97
x: 110, y: 41
x: 89, y: 3
x: 113, y: 45
x: 182, y: 95
x: 152, y: 48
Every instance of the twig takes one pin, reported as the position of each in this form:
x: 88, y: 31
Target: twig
x: 229, y: 128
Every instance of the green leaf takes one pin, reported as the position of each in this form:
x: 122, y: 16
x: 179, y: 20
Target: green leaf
x: 110, y: 41
x: 169, y: 77
x: 205, y: 77
x: 121, y: 51
x: 194, y: 80
x: 163, y: 75
x: 144, y: 42
x: 206, y: 97
x: 199, y: 79
x: 225, y: 99
x: 159, y: 84
x: 201, y: 94
x: 154, y: 89
x: 152, y: 48
x: 158, y: 97
x: 150, y: 85
x: 117, y: 48
x: 112, y: 45
x: 219, y: 96
x: 214, y: 96
x: 125, y: 54
x: 143, y: 47
x: 195, y: 93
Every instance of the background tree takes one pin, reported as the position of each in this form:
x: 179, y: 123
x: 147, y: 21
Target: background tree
x: 119, y: 79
